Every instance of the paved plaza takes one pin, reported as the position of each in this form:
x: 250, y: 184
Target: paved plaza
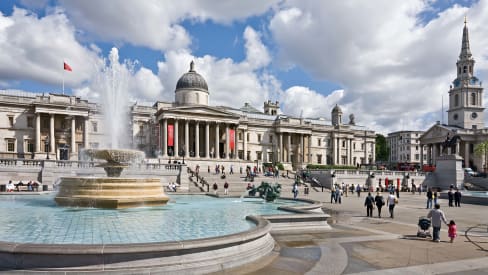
x: 361, y: 245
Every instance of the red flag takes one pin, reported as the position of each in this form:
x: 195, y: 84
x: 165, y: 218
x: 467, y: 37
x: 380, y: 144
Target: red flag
x: 232, y: 138
x: 170, y: 135
x: 67, y: 67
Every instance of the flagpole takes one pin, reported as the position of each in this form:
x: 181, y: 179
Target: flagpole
x: 64, y: 62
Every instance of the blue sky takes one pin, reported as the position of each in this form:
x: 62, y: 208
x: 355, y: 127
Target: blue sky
x: 388, y: 62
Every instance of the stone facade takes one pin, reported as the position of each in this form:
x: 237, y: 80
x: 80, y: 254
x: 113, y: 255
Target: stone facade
x: 59, y: 126
x: 404, y: 148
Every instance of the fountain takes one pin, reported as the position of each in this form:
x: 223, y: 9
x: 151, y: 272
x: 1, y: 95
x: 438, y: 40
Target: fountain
x: 112, y: 191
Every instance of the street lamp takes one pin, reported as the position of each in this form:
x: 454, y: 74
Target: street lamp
x: 47, y: 142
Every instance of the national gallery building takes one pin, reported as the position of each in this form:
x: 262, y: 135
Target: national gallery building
x: 56, y: 126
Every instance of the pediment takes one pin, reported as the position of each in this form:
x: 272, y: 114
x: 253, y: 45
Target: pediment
x: 435, y: 133
x: 198, y: 111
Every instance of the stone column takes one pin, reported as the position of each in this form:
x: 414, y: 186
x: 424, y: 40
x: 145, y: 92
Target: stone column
x: 429, y: 154
x: 434, y: 154
x: 164, y: 136
x: 227, y: 141
x: 245, y: 144
x: 466, y: 154
x: 421, y: 156
x: 302, y: 149
x: 457, y: 147
x: 289, y: 147
x: 52, y: 139
x: 85, y: 133
x: 217, y: 134
x: 280, y: 148
x: 309, y: 153
x: 334, y: 151
x: 187, y: 140
x: 175, y: 139
x: 73, y: 135
x: 207, y: 140
x: 236, y: 142
x: 197, y: 139
x: 38, y: 132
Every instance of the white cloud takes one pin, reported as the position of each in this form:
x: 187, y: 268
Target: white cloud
x: 299, y: 100
x: 153, y: 23
x: 34, y: 48
x: 230, y: 83
x: 391, y: 66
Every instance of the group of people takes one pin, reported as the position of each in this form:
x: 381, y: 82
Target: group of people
x: 31, y: 186
x: 215, y: 187
x: 436, y: 215
x: 172, y: 187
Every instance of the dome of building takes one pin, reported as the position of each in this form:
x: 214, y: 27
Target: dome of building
x: 337, y: 109
x: 192, y: 81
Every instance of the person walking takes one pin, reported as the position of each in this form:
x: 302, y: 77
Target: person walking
x: 226, y: 188
x: 380, y: 201
x: 436, y: 216
x: 397, y: 191
x: 420, y: 189
x: 435, y: 197
x: 215, y: 188
x: 391, y: 201
x: 369, y: 203
x: 295, y: 191
x: 450, y: 196
x: 338, y: 195
x: 457, y: 198
x: 452, y: 231
x: 358, y: 190
x: 429, y: 199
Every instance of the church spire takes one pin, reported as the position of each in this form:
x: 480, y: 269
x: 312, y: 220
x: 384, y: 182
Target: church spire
x: 465, y: 51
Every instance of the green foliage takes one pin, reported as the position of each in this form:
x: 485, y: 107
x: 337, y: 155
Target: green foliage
x: 481, y: 150
x: 382, y: 149
x: 280, y: 166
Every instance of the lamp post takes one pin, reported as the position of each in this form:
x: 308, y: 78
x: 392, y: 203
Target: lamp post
x: 47, y: 142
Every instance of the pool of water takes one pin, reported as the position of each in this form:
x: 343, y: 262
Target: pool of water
x: 37, y: 219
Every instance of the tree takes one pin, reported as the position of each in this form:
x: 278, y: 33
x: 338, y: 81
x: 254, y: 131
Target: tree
x: 382, y: 149
x: 481, y: 150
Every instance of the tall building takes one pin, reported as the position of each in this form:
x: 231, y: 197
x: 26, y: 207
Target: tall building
x: 405, y: 149
x: 465, y: 126
x: 59, y: 126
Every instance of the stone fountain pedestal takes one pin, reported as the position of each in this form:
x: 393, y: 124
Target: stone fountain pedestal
x: 112, y: 191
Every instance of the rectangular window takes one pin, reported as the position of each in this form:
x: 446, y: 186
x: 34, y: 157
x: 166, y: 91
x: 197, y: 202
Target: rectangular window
x: 417, y: 156
x: 30, y: 122
x: 270, y: 139
x: 319, y: 158
x: 319, y: 142
x: 259, y: 155
x: 10, y: 144
x: 248, y: 155
x: 247, y: 137
x: 343, y: 144
x: 11, y: 121
x: 240, y: 154
x: 239, y: 136
x: 94, y: 127
x: 259, y: 137
x: 29, y: 146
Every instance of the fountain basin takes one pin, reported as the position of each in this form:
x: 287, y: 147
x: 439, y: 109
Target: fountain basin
x: 110, y: 192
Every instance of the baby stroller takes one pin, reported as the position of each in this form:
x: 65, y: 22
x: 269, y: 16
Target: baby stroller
x: 424, y: 225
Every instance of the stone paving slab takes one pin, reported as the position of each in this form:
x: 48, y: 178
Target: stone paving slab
x: 361, y: 245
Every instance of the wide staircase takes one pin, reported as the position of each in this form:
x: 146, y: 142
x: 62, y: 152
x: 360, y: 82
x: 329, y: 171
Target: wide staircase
x: 237, y: 183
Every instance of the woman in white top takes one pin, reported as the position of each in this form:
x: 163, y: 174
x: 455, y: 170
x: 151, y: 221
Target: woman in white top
x: 391, y: 201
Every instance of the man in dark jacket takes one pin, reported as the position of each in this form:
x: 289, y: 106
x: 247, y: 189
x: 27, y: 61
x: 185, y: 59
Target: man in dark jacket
x: 429, y: 199
x: 369, y: 203
x: 457, y: 198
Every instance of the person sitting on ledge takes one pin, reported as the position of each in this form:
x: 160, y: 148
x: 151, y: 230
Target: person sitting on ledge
x: 35, y: 186
x: 19, y: 184
x: 29, y: 185
x: 10, y: 186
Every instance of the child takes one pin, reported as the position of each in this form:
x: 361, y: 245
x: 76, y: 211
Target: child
x: 452, y: 232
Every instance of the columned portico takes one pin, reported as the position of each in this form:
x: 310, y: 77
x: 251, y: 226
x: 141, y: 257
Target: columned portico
x: 217, y: 145
x: 197, y: 139
x: 207, y: 140
x: 187, y: 141
x: 227, y: 141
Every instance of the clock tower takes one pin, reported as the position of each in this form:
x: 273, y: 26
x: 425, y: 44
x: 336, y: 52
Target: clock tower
x: 466, y: 93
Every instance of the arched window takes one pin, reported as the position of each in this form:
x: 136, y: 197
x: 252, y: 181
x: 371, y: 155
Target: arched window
x: 456, y: 100
x: 473, y: 99
x: 465, y: 69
